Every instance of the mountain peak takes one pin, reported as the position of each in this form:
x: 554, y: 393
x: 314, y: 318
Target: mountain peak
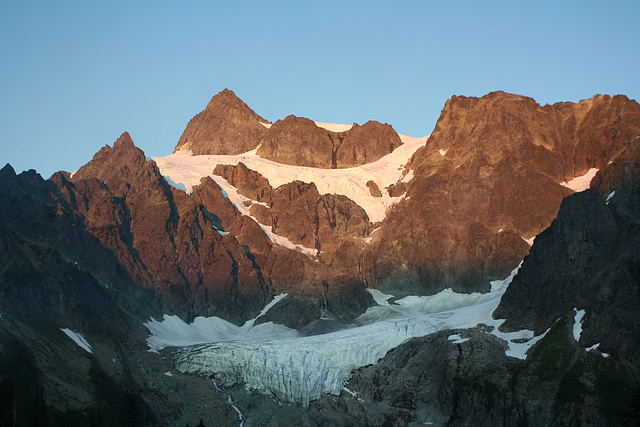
x: 226, y: 126
x: 7, y: 170
x: 227, y: 103
x: 109, y: 161
x: 226, y: 96
x: 124, y: 140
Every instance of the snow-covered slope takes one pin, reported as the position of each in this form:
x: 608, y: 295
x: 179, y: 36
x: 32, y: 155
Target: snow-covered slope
x: 273, y: 360
x: 185, y: 171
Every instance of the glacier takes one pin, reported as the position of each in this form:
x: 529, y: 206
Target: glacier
x: 277, y: 361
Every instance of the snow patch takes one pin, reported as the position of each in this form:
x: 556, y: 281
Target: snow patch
x: 379, y: 297
x: 267, y: 125
x: 581, y: 183
x: 169, y: 373
x: 78, y: 339
x: 530, y: 240
x: 577, y: 324
x: 457, y: 339
x: 249, y: 323
x: 609, y: 197
x: 595, y: 347
x: 408, y: 177
x: 283, y: 241
x: 443, y: 152
x: 353, y: 394
x: 333, y: 127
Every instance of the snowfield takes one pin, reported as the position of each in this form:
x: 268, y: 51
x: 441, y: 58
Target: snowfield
x: 275, y: 360
x: 184, y: 171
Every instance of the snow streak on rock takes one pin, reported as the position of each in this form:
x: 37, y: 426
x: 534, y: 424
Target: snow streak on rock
x: 577, y: 324
x: 78, y: 339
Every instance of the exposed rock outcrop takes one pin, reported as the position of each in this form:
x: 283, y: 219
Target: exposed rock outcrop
x: 299, y: 141
x: 366, y: 143
x: 249, y: 183
x: 298, y: 212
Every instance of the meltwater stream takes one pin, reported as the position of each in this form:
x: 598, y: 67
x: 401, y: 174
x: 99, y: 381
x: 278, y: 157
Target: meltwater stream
x: 277, y: 361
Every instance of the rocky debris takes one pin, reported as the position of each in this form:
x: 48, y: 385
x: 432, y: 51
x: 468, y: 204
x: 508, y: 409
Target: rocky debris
x: 226, y: 126
x: 490, y: 177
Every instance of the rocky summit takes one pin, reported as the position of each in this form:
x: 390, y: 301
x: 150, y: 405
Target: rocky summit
x: 308, y: 273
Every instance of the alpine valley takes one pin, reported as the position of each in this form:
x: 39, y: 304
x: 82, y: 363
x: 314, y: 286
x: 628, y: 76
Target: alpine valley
x: 305, y: 273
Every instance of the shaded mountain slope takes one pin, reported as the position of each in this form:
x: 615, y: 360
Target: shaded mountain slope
x: 588, y: 259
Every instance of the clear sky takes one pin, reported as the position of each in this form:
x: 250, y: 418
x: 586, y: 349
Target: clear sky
x: 75, y: 74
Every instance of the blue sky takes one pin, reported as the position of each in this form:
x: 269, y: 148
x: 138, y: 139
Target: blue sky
x: 75, y: 74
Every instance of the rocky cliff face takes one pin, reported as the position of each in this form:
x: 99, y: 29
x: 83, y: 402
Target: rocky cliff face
x: 489, y: 178
x: 166, y: 240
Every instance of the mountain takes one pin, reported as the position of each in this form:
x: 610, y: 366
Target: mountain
x: 307, y: 251
x: 228, y: 126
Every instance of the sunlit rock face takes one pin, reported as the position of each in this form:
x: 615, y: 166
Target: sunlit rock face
x: 491, y: 177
